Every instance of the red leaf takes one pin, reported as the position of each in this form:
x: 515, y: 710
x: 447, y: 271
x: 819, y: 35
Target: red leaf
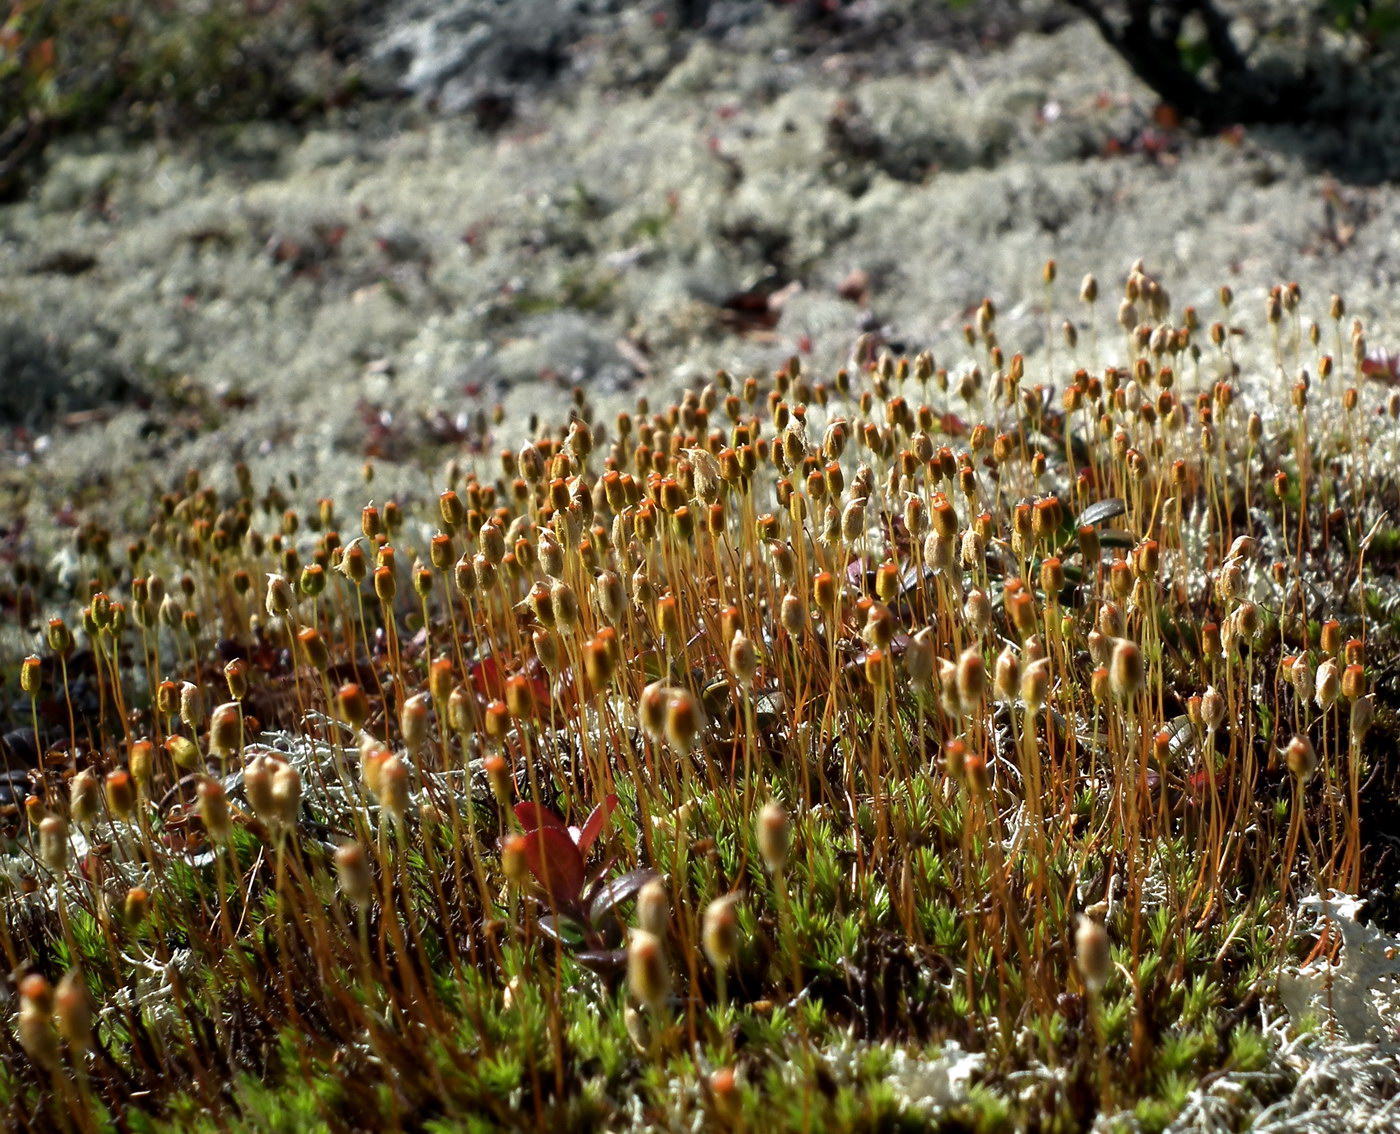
x: 532, y: 817
x: 1166, y: 116
x: 538, y: 681
x: 954, y: 426
x: 556, y: 863
x: 596, y: 823
x: 1381, y: 364
x: 487, y: 677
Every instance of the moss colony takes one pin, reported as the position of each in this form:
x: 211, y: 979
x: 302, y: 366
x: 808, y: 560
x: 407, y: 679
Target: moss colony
x: 948, y: 741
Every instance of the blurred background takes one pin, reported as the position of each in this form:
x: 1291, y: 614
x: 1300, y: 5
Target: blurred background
x: 310, y: 233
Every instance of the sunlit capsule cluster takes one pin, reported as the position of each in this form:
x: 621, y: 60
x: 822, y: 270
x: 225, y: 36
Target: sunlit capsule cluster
x: 1068, y: 631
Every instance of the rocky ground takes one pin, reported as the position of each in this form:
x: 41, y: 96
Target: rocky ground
x: 565, y: 194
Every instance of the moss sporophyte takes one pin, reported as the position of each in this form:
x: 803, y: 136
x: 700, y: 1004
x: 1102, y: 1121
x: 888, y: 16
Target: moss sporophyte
x: 989, y: 704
